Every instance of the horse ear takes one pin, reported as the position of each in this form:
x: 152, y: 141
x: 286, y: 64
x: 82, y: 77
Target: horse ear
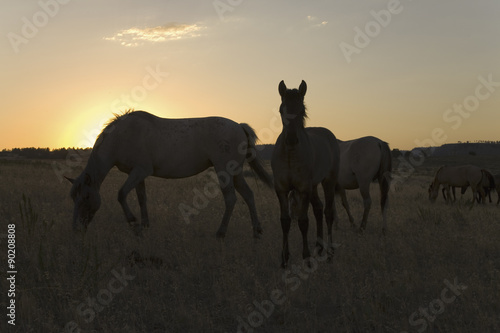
x: 71, y: 180
x: 282, y: 88
x: 303, y: 88
x: 88, y: 180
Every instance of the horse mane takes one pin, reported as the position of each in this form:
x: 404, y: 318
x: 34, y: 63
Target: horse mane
x: 108, y: 127
x: 436, y: 174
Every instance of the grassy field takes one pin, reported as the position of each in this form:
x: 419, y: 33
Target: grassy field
x: 437, y: 269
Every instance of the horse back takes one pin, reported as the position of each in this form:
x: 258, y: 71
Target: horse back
x: 461, y: 175
x: 174, y: 147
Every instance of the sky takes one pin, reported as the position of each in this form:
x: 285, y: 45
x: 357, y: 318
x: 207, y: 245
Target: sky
x: 411, y: 72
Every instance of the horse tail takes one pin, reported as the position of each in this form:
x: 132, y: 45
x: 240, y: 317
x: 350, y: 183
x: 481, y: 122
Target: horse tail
x: 490, y: 177
x: 251, y: 155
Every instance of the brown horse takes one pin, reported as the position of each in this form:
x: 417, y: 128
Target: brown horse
x: 362, y: 161
x: 457, y: 176
x: 488, y: 184
x: 141, y: 145
x: 302, y: 159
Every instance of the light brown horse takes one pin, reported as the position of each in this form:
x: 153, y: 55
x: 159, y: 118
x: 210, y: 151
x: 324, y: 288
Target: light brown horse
x: 141, y: 145
x: 457, y: 176
x: 302, y: 159
x: 488, y: 184
x: 362, y: 161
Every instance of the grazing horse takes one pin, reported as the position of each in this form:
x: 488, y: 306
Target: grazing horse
x: 457, y: 176
x: 488, y: 184
x: 141, y: 145
x: 362, y: 161
x: 303, y: 158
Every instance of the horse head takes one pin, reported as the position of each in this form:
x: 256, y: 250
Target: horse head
x: 87, y: 201
x: 293, y: 111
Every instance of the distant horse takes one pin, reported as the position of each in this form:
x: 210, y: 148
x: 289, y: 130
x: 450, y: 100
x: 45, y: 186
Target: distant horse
x: 457, y: 176
x: 303, y: 158
x: 488, y: 184
x: 141, y: 145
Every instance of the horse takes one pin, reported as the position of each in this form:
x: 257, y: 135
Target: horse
x: 457, y: 176
x: 488, y: 184
x: 362, y: 161
x: 142, y: 144
x: 303, y: 158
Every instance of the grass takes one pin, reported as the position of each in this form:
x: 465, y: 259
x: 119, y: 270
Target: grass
x: 182, y: 279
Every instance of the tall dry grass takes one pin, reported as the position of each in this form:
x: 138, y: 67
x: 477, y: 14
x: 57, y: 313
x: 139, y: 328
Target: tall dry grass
x: 185, y: 280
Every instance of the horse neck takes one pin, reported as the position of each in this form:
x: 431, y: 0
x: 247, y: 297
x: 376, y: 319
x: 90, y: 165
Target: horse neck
x: 97, y: 167
x: 301, y: 152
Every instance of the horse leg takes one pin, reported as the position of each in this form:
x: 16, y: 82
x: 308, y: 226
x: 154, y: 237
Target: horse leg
x: 135, y: 177
x: 303, y: 220
x: 367, y: 203
x: 481, y: 194
x: 229, y: 201
x: 448, y: 194
x: 330, y: 213
x: 247, y: 194
x: 345, y: 203
x: 285, y: 225
x: 384, y: 196
x: 318, y: 214
x: 140, y: 190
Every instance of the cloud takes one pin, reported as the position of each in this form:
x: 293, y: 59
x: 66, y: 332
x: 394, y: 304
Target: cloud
x: 314, y: 19
x: 163, y: 33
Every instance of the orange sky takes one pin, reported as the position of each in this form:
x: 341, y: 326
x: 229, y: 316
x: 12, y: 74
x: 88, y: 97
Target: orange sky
x: 408, y: 72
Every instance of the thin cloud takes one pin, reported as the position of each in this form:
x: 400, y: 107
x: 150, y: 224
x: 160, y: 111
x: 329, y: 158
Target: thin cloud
x: 163, y: 33
x: 316, y: 23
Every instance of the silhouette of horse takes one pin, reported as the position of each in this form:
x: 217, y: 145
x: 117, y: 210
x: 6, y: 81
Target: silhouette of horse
x: 488, y: 184
x: 303, y: 158
x: 362, y: 161
x: 141, y: 145
x: 457, y: 176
